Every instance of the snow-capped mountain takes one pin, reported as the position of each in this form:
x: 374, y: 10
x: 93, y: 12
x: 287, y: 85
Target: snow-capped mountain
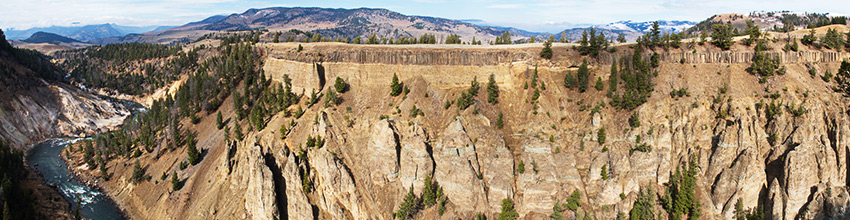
x: 646, y: 26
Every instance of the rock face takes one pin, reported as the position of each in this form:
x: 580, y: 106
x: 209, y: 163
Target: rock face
x: 791, y: 166
x: 297, y: 204
x: 382, y: 153
x: 458, y: 168
x: 415, y: 159
x: 260, y: 195
x: 54, y: 109
x: 777, y: 146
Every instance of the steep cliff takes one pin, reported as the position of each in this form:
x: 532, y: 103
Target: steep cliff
x: 790, y: 164
x: 35, y: 104
x: 775, y: 146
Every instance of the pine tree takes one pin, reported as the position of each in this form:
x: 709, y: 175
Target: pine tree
x: 600, y: 136
x: 583, y: 76
x: 642, y: 208
x: 175, y: 182
x: 599, y: 86
x: 842, y: 78
x: 237, y: 131
x: 547, y: 50
x: 395, y: 87
x: 499, y: 122
x: 721, y: 36
x: 331, y: 98
x: 138, y: 172
x: 219, y: 121
x: 612, y: 80
x: 492, y: 90
x: 508, y: 210
x: 409, y: 206
x: 340, y: 85
x: 192, y: 150
x: 429, y: 192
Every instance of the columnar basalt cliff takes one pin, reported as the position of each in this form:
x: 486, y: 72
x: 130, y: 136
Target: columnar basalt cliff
x: 495, y: 55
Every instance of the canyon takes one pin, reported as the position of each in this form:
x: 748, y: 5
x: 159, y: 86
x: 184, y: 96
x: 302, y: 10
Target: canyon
x: 789, y: 165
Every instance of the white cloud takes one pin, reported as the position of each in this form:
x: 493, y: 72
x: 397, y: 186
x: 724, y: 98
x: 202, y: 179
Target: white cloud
x: 506, y: 6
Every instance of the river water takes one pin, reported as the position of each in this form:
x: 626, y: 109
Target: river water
x: 94, y: 204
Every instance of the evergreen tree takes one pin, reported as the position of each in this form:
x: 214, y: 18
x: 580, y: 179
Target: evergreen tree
x: 583, y: 76
x: 612, y: 80
x: 621, y: 38
x: 138, y: 172
x: 547, y: 50
x: 276, y: 37
x: 505, y: 38
x: 600, y: 136
x: 175, y: 182
x: 340, y: 85
x: 763, y: 64
x: 721, y: 36
x: 740, y: 214
x: 809, y: 39
x: 842, y: 78
x: 499, y: 122
x: 680, y: 198
x: 219, y: 121
x: 237, y: 131
x: 832, y: 40
x: 643, y: 206
x: 409, y: 206
x: 654, y: 35
x: 599, y: 86
x: 492, y: 90
x: 453, y: 39
x: 430, y: 195
x: 395, y: 87
x: 753, y: 31
x: 331, y: 98
x: 508, y: 210
x: 570, y: 81
x: 192, y: 150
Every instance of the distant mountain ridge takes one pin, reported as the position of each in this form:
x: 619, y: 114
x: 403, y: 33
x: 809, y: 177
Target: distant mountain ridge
x: 44, y: 37
x: 351, y: 23
x: 81, y: 33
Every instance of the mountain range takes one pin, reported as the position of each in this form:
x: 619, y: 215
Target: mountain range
x: 328, y: 22
x: 83, y: 33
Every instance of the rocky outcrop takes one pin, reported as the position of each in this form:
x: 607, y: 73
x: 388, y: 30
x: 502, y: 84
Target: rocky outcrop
x: 335, y: 186
x: 458, y: 169
x: 54, y: 109
x: 260, y: 193
x: 297, y: 203
x: 415, y: 159
x: 382, y: 153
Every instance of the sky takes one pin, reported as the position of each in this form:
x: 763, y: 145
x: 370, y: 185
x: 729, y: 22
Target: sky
x: 531, y: 15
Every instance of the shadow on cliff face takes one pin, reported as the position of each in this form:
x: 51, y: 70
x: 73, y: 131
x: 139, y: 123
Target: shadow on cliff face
x: 320, y: 73
x: 279, y: 185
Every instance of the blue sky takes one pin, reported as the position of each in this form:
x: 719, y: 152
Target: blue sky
x: 533, y: 15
